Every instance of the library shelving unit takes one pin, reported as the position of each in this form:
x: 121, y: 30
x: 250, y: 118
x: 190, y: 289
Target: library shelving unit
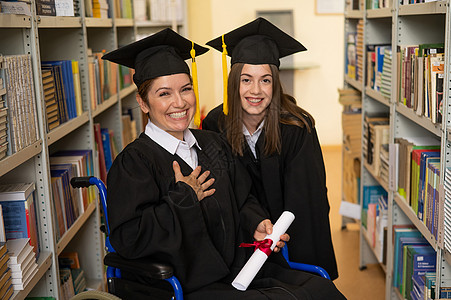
x: 47, y: 38
x: 402, y: 25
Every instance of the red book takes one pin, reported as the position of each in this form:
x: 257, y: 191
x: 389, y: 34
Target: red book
x: 100, y: 152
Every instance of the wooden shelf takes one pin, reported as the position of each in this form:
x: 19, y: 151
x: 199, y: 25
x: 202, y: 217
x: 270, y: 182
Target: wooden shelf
x: 386, y: 12
x: 65, y: 128
x: 70, y: 233
x: 354, y: 14
x: 99, y: 22
x: 105, y: 105
x: 122, y: 22
x: 127, y: 91
x: 14, y: 21
x: 59, y: 22
x: 13, y: 161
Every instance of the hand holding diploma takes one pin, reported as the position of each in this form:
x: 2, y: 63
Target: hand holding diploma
x: 263, y: 250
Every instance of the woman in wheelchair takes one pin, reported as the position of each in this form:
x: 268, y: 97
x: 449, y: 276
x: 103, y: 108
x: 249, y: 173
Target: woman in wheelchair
x: 179, y: 196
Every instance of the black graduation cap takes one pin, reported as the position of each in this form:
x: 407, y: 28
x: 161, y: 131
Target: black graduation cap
x: 163, y: 53
x: 257, y: 42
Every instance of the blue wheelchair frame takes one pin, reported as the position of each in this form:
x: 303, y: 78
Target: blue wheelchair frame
x: 113, y: 272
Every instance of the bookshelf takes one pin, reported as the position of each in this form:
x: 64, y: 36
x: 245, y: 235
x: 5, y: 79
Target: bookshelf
x: 49, y: 38
x: 399, y: 25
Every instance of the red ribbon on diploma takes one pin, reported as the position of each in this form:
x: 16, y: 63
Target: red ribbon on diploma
x: 264, y: 246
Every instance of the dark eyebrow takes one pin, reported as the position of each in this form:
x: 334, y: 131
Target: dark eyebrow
x: 162, y: 88
x: 245, y: 74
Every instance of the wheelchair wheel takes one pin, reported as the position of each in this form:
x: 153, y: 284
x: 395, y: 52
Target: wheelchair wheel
x: 94, y: 294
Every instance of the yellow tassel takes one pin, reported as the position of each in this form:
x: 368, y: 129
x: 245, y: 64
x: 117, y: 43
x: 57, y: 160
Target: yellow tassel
x: 195, y: 86
x: 225, y: 107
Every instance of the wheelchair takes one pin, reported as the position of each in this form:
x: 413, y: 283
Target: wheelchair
x: 119, y: 288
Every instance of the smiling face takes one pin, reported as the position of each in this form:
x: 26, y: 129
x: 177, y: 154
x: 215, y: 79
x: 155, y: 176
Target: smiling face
x: 255, y: 91
x: 170, y: 103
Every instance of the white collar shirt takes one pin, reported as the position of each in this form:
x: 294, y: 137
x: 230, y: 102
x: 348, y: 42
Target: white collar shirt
x: 253, y: 138
x: 184, y: 149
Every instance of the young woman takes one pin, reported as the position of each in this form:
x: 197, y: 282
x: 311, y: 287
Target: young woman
x: 275, y: 139
x: 178, y: 196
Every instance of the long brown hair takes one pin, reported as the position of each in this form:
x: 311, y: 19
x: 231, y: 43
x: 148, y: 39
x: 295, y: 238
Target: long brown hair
x: 282, y: 109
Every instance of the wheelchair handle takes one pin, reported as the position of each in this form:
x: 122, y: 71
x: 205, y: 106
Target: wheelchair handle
x: 81, y: 182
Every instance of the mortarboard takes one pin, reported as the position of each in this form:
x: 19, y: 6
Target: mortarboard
x: 257, y: 42
x: 163, y: 53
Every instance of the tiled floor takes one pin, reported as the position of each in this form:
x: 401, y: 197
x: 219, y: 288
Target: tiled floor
x: 368, y: 284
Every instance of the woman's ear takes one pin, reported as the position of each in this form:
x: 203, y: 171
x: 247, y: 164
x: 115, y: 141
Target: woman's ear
x: 142, y: 104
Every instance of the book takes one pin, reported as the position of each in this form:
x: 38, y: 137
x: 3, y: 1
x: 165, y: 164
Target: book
x: 398, y: 251
x: 77, y: 88
x: 69, y: 260
x: 100, y: 150
x: 419, y: 259
x: 18, y: 249
x: 19, y: 213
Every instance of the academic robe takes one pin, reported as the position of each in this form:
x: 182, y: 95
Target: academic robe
x: 152, y: 216
x: 294, y: 180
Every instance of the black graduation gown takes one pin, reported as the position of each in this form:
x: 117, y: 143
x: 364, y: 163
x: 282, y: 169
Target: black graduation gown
x: 294, y: 180
x: 152, y: 216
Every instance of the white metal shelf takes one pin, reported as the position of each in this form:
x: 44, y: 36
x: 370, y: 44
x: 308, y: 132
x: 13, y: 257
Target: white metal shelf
x: 99, y: 22
x: 14, y: 21
x: 367, y: 239
x: 59, y: 22
x: 437, y: 7
x: 408, y: 211
x: 105, y: 105
x: 385, y: 12
x: 13, y: 161
x: 66, y: 128
x: 72, y: 231
x: 376, y: 95
x: 377, y: 178
x: 424, y: 122
x: 44, y: 263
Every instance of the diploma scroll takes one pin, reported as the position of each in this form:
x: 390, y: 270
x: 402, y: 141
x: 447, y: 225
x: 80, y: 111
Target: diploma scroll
x: 258, y: 258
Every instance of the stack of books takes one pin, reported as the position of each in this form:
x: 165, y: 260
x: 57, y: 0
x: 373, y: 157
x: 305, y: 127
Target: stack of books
x: 6, y: 288
x: 22, y: 262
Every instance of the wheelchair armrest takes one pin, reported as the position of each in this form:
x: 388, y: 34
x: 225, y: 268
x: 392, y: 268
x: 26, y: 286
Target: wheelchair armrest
x: 144, y: 266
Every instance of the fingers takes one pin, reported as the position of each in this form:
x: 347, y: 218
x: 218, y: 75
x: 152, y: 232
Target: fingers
x: 285, y: 237
x: 268, y: 226
x: 203, y: 177
x: 196, y: 172
x: 209, y: 193
x: 207, y: 184
x: 177, y: 173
